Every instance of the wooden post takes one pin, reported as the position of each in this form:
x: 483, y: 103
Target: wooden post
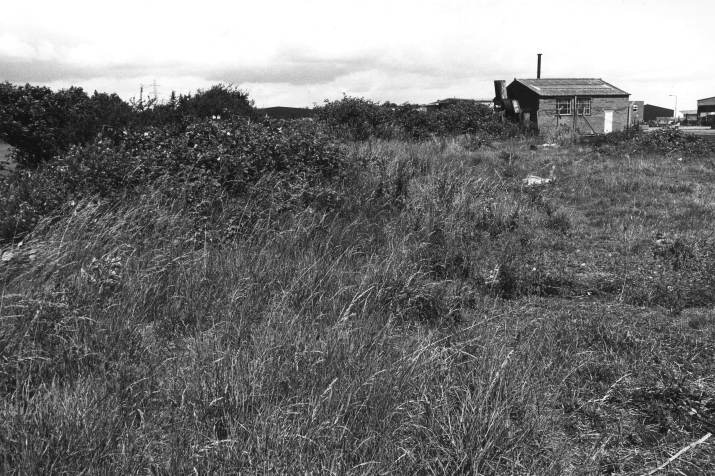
x: 575, y: 111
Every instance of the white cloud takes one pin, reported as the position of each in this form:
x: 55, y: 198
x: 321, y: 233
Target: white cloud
x: 13, y: 47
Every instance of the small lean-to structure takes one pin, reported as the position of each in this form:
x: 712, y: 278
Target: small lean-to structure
x: 584, y: 105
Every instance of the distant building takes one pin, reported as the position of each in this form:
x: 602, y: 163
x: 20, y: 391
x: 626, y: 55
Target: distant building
x: 706, y: 107
x: 690, y: 116
x: 442, y: 103
x: 636, y: 112
x: 588, y: 105
x: 652, y: 113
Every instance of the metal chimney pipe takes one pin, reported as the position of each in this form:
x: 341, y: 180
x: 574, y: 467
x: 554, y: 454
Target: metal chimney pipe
x: 500, y: 89
x: 538, y: 66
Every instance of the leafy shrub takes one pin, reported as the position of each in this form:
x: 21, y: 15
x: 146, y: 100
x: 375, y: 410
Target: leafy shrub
x: 359, y: 119
x: 668, y: 141
x: 355, y: 118
x: 219, y: 100
x: 223, y: 101
x: 208, y: 162
x: 468, y: 118
x: 41, y: 123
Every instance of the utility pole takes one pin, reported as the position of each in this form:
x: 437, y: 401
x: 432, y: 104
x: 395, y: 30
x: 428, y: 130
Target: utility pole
x: 675, y: 111
x: 155, y: 86
x: 155, y: 90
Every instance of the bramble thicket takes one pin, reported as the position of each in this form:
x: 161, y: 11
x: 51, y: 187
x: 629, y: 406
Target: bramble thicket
x: 73, y: 146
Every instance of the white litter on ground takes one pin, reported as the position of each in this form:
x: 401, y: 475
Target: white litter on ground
x: 534, y: 180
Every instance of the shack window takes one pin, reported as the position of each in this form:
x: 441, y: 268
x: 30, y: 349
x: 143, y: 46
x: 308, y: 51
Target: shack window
x: 583, y: 106
x: 563, y: 107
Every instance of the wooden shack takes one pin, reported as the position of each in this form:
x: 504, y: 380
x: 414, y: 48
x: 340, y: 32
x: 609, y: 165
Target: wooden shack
x: 586, y: 105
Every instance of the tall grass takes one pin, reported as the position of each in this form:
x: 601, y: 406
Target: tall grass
x: 430, y: 325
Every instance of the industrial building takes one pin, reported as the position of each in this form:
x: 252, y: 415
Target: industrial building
x: 652, y: 113
x: 706, y: 111
x: 690, y: 117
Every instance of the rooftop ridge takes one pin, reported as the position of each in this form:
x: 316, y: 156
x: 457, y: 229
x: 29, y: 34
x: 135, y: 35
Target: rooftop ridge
x: 571, y: 86
x: 546, y: 79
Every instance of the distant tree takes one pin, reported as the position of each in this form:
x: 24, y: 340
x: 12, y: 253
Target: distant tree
x: 109, y: 110
x: 41, y: 123
x: 355, y: 118
x: 220, y: 100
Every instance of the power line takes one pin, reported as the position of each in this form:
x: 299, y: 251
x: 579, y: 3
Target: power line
x: 155, y: 89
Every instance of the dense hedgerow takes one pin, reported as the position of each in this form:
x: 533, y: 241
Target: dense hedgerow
x: 662, y: 141
x: 41, y: 124
x: 356, y: 118
x: 456, y: 119
x: 206, y: 163
x: 359, y: 119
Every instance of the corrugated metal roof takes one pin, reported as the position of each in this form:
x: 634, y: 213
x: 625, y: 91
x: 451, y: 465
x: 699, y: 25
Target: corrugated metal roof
x: 571, y: 87
x: 707, y: 101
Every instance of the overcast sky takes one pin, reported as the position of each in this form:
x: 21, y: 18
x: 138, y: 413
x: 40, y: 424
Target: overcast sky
x: 299, y: 52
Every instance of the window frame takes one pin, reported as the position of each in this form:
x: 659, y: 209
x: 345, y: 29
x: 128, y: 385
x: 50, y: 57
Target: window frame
x: 564, y: 102
x: 566, y: 107
x: 583, y: 109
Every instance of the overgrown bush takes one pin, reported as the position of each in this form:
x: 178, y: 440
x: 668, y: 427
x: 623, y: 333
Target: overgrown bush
x: 222, y: 101
x: 42, y: 124
x: 359, y: 119
x: 355, y: 118
x: 219, y: 100
x: 668, y: 141
x: 208, y: 162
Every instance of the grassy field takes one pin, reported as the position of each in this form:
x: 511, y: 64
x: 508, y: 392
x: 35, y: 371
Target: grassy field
x: 447, y: 320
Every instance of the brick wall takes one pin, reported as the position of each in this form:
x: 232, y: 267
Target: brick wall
x: 547, y: 117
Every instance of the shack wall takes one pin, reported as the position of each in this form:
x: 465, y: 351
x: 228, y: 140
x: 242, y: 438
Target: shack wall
x: 548, y: 119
